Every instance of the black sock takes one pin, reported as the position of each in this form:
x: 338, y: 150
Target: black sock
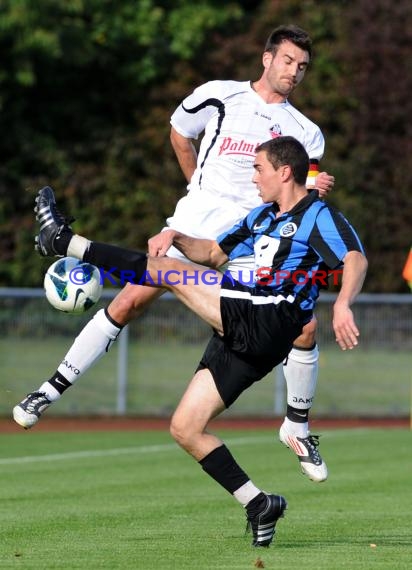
x: 128, y: 265
x: 59, y: 382
x: 297, y: 415
x: 222, y: 467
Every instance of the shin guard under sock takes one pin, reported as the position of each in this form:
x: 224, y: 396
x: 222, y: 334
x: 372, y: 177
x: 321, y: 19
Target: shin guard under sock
x: 125, y: 264
x: 221, y: 466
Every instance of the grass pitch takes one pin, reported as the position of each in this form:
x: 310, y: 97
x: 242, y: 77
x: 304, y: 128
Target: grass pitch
x: 115, y: 500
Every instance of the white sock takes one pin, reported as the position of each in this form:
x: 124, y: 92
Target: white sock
x: 296, y: 429
x: 78, y: 246
x: 246, y: 493
x: 92, y: 343
x: 51, y: 392
x: 301, y: 374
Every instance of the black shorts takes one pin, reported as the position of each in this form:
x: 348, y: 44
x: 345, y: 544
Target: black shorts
x: 257, y: 337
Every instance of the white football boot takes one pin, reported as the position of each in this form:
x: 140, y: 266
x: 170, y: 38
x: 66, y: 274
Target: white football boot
x: 306, y: 448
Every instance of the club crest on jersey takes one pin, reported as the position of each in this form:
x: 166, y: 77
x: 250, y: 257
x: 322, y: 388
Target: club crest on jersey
x: 275, y: 131
x: 288, y: 229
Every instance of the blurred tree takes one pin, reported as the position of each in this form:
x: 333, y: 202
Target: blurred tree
x: 87, y: 88
x: 378, y: 134
x: 76, y: 112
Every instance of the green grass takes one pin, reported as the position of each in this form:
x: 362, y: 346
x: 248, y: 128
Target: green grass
x: 127, y: 500
x: 359, y: 382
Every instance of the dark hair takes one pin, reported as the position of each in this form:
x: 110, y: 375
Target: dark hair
x: 292, y: 34
x: 287, y: 150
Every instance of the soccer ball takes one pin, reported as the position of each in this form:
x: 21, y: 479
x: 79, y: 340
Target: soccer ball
x: 72, y: 286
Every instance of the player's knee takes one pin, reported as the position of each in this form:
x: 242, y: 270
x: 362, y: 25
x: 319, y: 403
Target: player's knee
x: 184, y: 430
x: 122, y: 313
x: 126, y: 305
x: 179, y: 432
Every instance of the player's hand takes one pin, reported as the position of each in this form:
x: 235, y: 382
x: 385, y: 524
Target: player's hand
x: 324, y: 183
x: 346, y: 331
x: 160, y: 243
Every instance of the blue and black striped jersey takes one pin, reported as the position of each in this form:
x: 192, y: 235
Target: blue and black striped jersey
x: 295, y: 252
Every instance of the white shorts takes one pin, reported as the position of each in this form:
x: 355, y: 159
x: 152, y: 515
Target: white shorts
x: 201, y: 215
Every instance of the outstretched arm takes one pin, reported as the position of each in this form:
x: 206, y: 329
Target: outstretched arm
x: 203, y: 251
x: 354, y: 271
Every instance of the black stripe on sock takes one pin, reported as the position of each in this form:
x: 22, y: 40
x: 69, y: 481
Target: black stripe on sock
x: 59, y: 382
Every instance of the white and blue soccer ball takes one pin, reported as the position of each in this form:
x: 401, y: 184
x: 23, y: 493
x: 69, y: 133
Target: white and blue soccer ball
x: 72, y: 286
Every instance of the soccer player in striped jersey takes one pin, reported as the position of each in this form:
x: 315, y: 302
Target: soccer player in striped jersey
x: 292, y: 237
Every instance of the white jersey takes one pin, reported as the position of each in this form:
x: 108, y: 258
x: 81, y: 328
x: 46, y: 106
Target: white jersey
x: 234, y: 120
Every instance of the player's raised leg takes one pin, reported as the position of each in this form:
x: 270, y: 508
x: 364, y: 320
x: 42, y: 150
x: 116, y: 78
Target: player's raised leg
x: 196, y: 286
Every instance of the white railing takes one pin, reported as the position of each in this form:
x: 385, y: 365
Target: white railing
x: 385, y: 321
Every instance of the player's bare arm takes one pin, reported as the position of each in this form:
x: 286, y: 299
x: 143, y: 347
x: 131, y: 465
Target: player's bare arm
x: 185, y: 152
x: 354, y: 271
x: 203, y: 251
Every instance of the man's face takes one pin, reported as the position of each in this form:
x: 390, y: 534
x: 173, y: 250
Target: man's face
x: 286, y: 69
x: 266, y: 178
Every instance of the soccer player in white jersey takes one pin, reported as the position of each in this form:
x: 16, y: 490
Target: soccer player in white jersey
x: 234, y: 118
